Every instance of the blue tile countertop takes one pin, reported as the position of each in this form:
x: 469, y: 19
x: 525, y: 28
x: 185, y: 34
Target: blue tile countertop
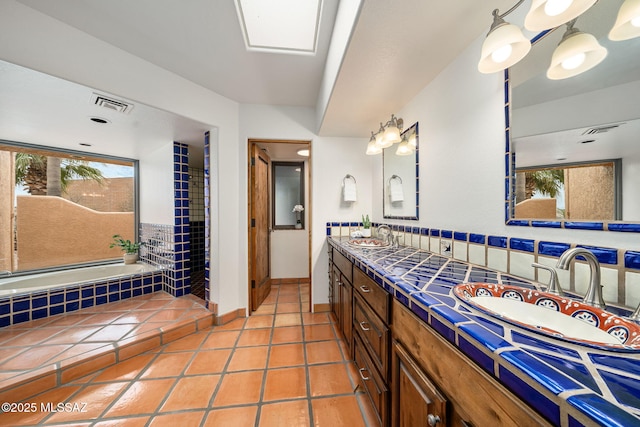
x: 569, y: 384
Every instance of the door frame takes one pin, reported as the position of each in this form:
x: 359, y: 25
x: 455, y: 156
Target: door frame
x: 309, y: 183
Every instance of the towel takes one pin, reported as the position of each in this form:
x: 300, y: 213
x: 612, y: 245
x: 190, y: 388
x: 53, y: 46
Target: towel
x: 395, y: 190
x: 349, y: 190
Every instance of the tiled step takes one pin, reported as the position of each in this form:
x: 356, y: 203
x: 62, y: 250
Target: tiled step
x: 40, y: 355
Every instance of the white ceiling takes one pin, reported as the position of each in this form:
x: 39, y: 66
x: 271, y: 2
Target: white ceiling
x: 395, y: 50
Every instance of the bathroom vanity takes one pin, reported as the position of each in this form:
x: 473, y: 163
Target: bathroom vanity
x: 426, y: 359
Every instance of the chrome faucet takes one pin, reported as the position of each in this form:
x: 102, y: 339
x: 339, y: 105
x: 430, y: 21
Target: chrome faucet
x: 593, y: 296
x: 387, y: 233
x: 554, y: 286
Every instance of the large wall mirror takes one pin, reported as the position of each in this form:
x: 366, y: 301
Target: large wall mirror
x: 573, y: 145
x: 400, y: 174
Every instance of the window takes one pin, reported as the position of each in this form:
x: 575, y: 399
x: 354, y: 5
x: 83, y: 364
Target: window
x: 61, y: 208
x: 288, y: 195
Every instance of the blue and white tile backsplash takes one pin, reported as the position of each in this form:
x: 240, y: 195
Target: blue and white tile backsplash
x: 620, y: 268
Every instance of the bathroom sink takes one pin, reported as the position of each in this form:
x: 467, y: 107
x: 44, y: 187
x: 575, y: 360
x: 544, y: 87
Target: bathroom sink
x: 368, y: 243
x: 552, y: 315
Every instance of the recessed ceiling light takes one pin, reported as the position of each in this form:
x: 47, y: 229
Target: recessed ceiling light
x: 303, y: 152
x: 281, y: 26
x: 99, y: 120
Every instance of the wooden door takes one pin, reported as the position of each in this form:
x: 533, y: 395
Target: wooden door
x: 259, y: 222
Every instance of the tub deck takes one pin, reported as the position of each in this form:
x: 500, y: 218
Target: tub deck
x: 42, y: 354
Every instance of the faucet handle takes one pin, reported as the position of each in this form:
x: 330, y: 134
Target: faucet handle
x: 554, y: 284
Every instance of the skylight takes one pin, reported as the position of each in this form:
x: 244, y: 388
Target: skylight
x: 281, y: 26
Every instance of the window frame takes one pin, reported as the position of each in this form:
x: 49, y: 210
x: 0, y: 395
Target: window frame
x: 274, y: 165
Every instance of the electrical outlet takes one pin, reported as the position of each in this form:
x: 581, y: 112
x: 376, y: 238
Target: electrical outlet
x: 446, y: 247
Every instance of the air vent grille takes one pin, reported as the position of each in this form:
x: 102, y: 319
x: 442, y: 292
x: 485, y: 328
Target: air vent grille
x: 111, y: 103
x: 600, y: 129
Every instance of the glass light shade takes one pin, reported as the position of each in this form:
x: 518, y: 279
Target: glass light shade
x: 565, y: 61
x: 404, y: 148
x: 380, y: 141
x: 627, y: 24
x: 545, y: 14
x: 504, y: 46
x: 413, y: 140
x: 392, y: 134
x: 372, y: 148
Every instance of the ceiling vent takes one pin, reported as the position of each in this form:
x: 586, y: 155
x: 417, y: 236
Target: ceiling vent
x: 111, y: 103
x: 600, y: 129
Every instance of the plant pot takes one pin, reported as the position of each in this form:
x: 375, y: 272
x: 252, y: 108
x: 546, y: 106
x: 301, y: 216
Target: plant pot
x: 130, y: 258
x: 366, y: 232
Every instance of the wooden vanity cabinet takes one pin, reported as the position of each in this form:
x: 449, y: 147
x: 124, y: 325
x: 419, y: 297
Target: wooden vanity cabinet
x: 432, y: 377
x: 371, y: 315
x: 341, y: 294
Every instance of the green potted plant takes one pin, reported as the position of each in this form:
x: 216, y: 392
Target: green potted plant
x: 129, y: 248
x: 366, y: 226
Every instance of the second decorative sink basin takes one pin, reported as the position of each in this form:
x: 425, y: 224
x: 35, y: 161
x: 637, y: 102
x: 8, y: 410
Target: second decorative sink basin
x: 552, y: 315
x: 368, y: 243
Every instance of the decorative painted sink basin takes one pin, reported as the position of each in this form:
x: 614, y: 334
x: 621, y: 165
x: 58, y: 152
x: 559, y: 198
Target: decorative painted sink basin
x: 368, y: 243
x: 552, y: 315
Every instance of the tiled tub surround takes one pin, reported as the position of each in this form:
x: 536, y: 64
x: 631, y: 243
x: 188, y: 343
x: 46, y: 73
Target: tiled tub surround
x: 568, y: 384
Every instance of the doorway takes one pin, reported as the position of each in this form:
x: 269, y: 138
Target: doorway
x: 279, y: 219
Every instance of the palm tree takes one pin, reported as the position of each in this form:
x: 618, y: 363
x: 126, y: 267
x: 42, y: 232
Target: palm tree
x: 42, y: 175
x: 546, y: 182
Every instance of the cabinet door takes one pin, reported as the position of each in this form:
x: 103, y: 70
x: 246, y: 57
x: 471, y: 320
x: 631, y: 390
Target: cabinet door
x: 416, y: 402
x: 334, y: 291
x: 346, y: 313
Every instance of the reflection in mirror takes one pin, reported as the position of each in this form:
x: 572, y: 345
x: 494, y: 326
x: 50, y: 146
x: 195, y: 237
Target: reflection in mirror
x: 400, y: 174
x: 288, y: 191
x: 563, y: 125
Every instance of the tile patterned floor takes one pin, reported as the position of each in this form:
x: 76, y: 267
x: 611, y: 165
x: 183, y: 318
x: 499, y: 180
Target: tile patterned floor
x: 282, y: 367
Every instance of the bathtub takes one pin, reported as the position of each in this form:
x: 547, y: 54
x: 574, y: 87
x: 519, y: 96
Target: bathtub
x: 61, y: 279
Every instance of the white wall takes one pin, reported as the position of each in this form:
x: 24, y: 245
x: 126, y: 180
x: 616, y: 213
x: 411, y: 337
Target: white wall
x: 331, y: 159
x: 462, y: 160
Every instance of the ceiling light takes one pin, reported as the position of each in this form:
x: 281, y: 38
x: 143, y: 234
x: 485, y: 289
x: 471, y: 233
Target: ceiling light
x: 283, y: 26
x: 304, y: 152
x: 545, y: 14
x: 576, y: 53
x: 627, y: 24
x: 504, y: 46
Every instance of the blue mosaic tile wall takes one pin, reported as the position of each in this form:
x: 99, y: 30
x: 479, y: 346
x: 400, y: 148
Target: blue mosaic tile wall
x: 207, y: 228
x: 179, y: 278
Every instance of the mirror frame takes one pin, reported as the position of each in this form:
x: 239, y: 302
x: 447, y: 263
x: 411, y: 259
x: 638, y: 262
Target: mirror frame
x: 510, y: 180
x: 417, y: 177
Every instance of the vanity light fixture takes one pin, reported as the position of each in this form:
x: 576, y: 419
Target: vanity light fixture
x: 504, y: 46
x: 304, y: 152
x: 372, y: 147
x: 627, y: 24
x: 404, y: 148
x: 576, y: 53
x: 545, y: 14
x: 386, y: 136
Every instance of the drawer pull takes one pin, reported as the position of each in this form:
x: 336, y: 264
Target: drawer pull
x: 363, y: 327
x: 432, y: 420
x: 361, y: 370
x: 364, y: 289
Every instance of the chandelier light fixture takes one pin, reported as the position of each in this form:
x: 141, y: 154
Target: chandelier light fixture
x: 386, y: 136
x: 578, y: 52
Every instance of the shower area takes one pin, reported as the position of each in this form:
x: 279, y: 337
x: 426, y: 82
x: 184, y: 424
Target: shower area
x: 197, y: 230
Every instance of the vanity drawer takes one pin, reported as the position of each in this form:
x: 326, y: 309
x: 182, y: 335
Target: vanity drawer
x: 374, y: 333
x: 345, y: 266
x: 373, y: 294
x: 369, y: 378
